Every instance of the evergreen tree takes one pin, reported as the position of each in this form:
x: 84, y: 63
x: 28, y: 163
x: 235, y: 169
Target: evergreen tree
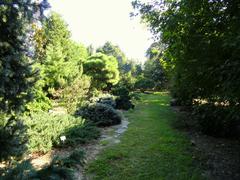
x: 16, y: 75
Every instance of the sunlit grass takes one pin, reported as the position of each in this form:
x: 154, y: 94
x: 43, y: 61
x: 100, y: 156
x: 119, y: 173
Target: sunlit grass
x: 150, y: 148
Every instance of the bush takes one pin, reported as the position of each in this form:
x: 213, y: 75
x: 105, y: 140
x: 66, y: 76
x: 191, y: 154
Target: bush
x: 40, y: 102
x: 81, y: 134
x: 60, y: 168
x: 219, y: 121
x: 45, y: 130
x: 123, y: 101
x: 100, y: 114
x: 108, y: 101
x: 75, y: 94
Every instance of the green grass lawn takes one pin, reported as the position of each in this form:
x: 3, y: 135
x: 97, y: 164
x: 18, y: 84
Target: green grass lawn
x: 150, y: 148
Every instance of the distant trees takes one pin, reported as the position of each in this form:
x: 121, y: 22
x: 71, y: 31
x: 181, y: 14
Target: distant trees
x: 113, y: 50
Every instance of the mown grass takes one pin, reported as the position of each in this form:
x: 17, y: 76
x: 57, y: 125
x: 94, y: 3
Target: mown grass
x: 150, y: 148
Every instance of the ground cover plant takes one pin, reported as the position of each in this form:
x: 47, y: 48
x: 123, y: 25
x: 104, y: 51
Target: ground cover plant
x: 45, y: 131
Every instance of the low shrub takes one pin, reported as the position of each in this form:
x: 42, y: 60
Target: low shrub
x: 219, y: 121
x: 110, y: 101
x: 44, y: 131
x: 101, y: 114
x: 124, y: 103
x: 60, y: 168
x: 80, y: 134
x: 76, y: 158
x: 23, y: 171
x: 107, y: 99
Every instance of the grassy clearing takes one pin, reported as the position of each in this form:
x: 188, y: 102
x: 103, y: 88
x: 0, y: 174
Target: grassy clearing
x: 150, y: 149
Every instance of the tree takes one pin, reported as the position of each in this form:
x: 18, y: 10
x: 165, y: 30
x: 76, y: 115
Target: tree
x: 16, y: 74
x: 113, y: 50
x: 60, y: 59
x: 201, y: 43
x: 103, y: 69
x: 153, y: 68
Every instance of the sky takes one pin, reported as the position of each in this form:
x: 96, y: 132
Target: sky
x: 97, y: 21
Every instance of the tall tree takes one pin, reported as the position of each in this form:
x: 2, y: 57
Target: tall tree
x: 16, y: 74
x: 60, y: 59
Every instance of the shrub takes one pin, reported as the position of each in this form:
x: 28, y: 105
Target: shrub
x: 40, y: 102
x: 44, y: 131
x: 81, y: 134
x: 23, y: 171
x: 110, y: 101
x: 123, y: 101
x: 100, y: 114
x: 220, y: 121
x: 77, y: 157
x: 76, y: 94
x: 60, y: 168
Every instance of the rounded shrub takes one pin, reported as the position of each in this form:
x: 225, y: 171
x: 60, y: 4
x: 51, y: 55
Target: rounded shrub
x: 123, y: 100
x: 101, y: 114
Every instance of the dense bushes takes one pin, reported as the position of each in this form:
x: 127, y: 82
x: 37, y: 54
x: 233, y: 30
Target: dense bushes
x: 218, y: 120
x: 44, y: 131
x: 100, y: 114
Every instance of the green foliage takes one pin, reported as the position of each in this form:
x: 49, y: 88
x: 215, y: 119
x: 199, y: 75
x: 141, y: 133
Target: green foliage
x: 123, y: 100
x: 60, y: 168
x: 59, y: 58
x: 16, y: 74
x: 77, y: 157
x: 103, y: 70
x: 127, y: 80
x: 217, y: 120
x: 12, y: 137
x: 75, y: 95
x: 101, y: 114
x: 40, y: 101
x: 44, y: 131
x: 200, y: 43
x: 110, y: 101
x: 80, y: 134
x: 154, y: 71
x: 55, y: 171
x: 143, y: 84
x: 112, y: 50
x: 21, y: 171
